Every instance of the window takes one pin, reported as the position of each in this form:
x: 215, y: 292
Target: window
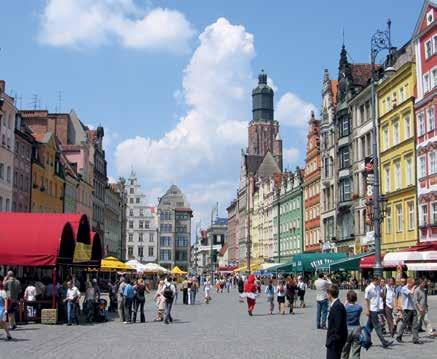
x: 2, y: 171
x: 130, y: 237
x: 401, y: 95
x: 425, y: 83
x: 434, y: 213
x: 396, y: 133
x: 181, y: 256
x: 388, y: 103
x: 166, y: 227
x: 411, y: 216
x: 141, y: 224
x: 151, y: 252
x: 146, y: 224
x: 141, y: 212
x: 399, y: 218
x: 388, y: 221
x: 8, y: 205
x: 137, y: 200
x: 397, y: 175
x: 181, y: 241
x: 344, y: 157
x: 432, y: 162
x: 140, y: 237
x: 422, y: 166
x: 431, y: 119
x: 385, y: 137
x: 409, y: 171
x: 131, y: 190
x: 165, y: 255
x: 428, y: 49
x: 130, y: 251
x: 429, y: 17
x: 131, y: 212
x: 140, y: 251
x: 434, y: 75
x: 407, y: 122
x: 151, y: 238
x: 8, y: 174
x: 387, y: 178
x: 131, y: 224
x: 165, y: 241
x: 424, y: 210
x: 345, y: 189
x: 131, y: 200
x: 344, y: 126
x: 435, y: 43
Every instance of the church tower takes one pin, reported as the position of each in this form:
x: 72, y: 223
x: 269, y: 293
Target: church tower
x: 263, y: 129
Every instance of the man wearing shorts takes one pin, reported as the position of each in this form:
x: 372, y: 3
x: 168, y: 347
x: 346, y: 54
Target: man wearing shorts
x: 13, y: 289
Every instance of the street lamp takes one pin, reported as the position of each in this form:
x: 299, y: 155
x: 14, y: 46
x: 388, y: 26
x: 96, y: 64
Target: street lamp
x: 214, y: 209
x: 278, y: 194
x: 381, y: 40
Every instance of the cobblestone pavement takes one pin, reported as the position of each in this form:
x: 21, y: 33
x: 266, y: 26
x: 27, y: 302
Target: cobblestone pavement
x: 221, y: 329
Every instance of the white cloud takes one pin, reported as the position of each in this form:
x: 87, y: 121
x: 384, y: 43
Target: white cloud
x: 291, y: 110
x: 215, y: 87
x: 291, y: 157
x: 111, y: 179
x: 91, y: 23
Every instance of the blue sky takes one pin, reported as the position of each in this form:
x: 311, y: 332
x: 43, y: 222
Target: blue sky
x: 170, y: 82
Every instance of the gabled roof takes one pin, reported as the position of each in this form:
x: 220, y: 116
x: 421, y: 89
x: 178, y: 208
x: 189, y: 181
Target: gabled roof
x: 268, y: 166
x: 422, y: 14
x: 361, y: 74
x: 42, y: 137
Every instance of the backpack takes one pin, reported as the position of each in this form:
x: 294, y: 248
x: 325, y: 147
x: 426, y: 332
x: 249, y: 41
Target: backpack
x: 168, y: 293
x: 365, y: 338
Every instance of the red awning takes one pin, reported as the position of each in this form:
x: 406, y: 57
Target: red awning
x: 97, y: 248
x: 81, y: 226
x: 35, y: 239
x: 369, y: 262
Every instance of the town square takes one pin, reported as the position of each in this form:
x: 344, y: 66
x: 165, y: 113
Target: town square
x: 218, y: 179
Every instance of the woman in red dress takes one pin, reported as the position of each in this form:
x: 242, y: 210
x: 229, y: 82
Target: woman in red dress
x: 250, y: 290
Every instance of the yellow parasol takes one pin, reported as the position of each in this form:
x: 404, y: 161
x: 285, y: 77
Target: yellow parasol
x: 177, y: 271
x: 110, y: 264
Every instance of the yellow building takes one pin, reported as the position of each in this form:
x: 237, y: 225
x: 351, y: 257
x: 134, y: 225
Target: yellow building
x: 47, y: 175
x: 397, y: 154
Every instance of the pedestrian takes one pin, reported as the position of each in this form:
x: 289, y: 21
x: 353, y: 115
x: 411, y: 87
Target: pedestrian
x: 421, y: 300
x: 3, y: 298
x: 12, y: 287
x: 168, y: 293
x: 228, y: 284
x: 291, y: 289
x: 409, y: 312
x: 72, y: 301
x: 128, y: 295
x: 30, y: 298
x: 240, y: 285
x: 120, y: 299
x: 184, y: 291
x: 280, y: 297
x: 322, y: 286
x: 372, y: 296
x: 301, y: 289
x: 381, y: 313
x: 270, y: 293
x: 207, y: 290
x: 337, y: 326
x: 352, y: 347
x: 398, y: 303
x: 190, y: 294
x: 194, y: 289
x: 160, y: 302
x: 250, y: 291
x: 390, y: 298
x: 90, y: 302
x: 140, y: 290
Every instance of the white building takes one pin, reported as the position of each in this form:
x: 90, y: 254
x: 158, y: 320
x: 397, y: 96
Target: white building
x: 142, y: 224
x: 7, y: 144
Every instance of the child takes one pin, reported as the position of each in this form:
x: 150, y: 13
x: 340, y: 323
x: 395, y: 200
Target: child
x: 270, y: 292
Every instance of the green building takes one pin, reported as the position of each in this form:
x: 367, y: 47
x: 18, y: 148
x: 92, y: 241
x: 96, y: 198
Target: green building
x: 288, y: 201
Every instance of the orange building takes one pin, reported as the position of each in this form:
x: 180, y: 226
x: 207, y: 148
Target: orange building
x: 311, y: 187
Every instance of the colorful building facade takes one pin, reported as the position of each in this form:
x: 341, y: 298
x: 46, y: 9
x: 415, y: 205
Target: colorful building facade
x: 311, y: 187
x: 398, y: 152
x: 425, y: 46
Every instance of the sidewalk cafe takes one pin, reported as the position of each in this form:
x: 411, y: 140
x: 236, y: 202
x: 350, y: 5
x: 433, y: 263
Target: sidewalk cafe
x: 46, y: 249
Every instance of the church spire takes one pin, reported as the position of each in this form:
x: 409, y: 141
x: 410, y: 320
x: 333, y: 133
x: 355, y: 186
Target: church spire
x: 262, y: 100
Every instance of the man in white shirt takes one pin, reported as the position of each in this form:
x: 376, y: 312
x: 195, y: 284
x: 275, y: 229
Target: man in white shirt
x: 322, y: 286
x: 409, y: 312
x: 72, y: 300
x: 372, y: 296
x: 390, y: 299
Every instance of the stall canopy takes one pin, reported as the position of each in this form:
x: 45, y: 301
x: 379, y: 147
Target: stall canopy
x: 369, y: 263
x: 110, y: 264
x: 176, y: 270
x: 154, y: 268
x: 36, y: 239
x: 307, y: 262
x: 420, y: 254
x: 351, y: 263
